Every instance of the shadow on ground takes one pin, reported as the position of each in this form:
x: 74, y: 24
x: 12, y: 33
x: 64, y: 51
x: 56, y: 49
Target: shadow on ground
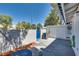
x: 59, y: 47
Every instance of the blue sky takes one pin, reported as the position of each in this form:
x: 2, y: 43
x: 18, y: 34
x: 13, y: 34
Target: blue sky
x: 29, y: 12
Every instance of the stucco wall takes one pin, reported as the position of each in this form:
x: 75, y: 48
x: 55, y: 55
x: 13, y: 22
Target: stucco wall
x: 31, y: 36
x: 75, y: 31
x: 16, y: 38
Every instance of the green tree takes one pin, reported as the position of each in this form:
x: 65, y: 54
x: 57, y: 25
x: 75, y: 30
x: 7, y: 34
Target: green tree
x: 39, y: 25
x: 22, y: 25
x: 33, y: 26
x: 5, y: 21
x: 18, y: 25
x: 52, y: 18
x: 29, y: 25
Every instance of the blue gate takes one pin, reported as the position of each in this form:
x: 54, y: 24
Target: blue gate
x: 38, y: 34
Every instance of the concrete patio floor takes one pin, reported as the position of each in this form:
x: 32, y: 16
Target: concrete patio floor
x: 55, y: 47
x: 43, y: 43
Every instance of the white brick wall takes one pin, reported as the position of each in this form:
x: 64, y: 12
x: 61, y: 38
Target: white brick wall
x: 59, y: 31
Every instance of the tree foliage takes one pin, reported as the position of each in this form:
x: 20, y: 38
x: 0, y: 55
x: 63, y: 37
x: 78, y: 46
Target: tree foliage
x: 33, y: 26
x: 39, y: 25
x: 25, y: 25
x: 52, y: 18
x: 5, y: 21
x: 22, y: 25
